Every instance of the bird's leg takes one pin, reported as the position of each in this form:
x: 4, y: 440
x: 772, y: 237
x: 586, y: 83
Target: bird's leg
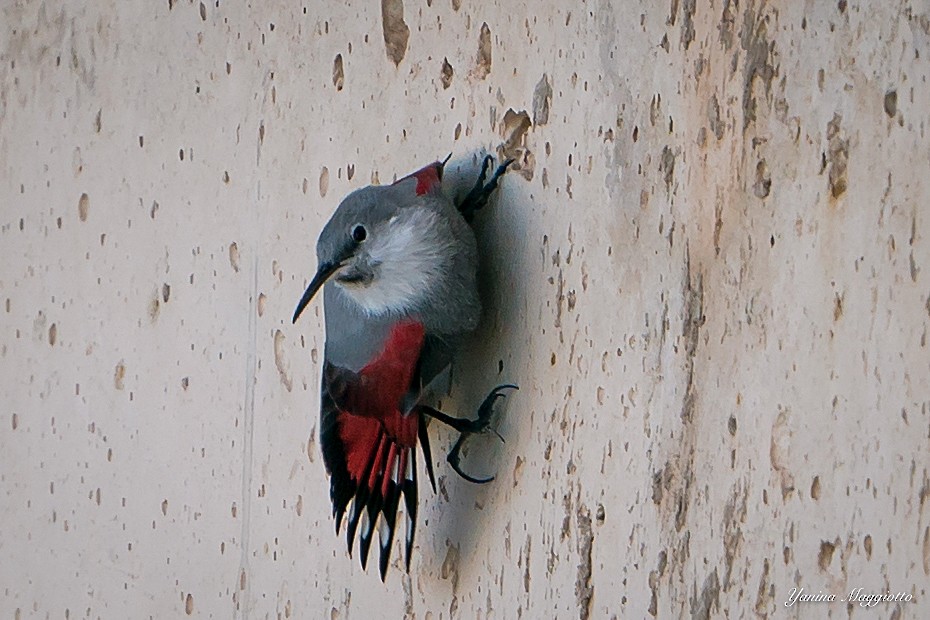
x: 479, y: 194
x: 468, y: 427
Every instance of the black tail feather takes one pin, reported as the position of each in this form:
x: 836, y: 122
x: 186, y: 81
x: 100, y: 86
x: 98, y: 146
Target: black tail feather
x: 427, y: 455
x: 410, y: 503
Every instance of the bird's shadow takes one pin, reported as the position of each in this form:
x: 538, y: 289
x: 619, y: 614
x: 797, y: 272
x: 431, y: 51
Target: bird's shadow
x: 487, y: 358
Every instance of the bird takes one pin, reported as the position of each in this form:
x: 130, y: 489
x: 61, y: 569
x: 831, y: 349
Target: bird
x: 398, y: 268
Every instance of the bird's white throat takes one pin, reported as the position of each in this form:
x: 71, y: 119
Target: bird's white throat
x: 407, y: 257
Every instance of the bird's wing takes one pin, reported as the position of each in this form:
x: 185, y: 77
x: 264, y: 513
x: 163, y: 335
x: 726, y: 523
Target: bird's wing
x: 369, y: 442
x: 432, y: 376
x: 428, y: 178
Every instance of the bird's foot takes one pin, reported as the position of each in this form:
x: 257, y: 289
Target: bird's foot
x: 470, y: 427
x: 482, y: 190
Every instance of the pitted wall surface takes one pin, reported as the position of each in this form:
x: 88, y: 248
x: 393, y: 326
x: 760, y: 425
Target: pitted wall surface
x: 707, y: 272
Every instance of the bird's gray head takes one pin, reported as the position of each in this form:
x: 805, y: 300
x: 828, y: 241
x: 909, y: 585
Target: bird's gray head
x: 387, y: 248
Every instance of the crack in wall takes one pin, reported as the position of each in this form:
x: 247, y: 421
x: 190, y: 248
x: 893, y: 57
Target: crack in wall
x: 251, y: 363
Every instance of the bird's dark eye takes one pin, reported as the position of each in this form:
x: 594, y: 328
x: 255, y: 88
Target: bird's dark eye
x: 359, y: 233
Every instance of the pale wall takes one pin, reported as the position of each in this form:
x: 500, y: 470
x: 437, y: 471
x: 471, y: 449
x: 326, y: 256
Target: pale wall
x: 709, y: 279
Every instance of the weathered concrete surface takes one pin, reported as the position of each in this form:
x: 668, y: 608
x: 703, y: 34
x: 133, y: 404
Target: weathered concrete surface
x: 709, y: 279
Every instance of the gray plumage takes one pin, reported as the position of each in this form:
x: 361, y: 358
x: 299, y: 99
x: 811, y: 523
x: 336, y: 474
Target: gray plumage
x: 398, y: 267
x: 418, y: 259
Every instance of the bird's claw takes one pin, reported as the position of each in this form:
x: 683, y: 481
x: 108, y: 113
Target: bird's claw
x: 487, y: 406
x: 479, y: 425
x: 498, y: 173
x: 482, y: 190
x: 482, y: 185
x: 453, y: 459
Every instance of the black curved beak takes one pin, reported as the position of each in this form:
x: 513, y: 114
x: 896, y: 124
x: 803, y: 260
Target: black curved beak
x: 323, y: 274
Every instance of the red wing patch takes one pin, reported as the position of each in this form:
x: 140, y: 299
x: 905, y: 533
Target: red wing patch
x: 428, y: 178
x: 369, y: 444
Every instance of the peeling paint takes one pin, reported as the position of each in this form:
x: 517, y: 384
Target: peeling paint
x: 395, y: 30
x: 837, y: 156
x: 483, y: 59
